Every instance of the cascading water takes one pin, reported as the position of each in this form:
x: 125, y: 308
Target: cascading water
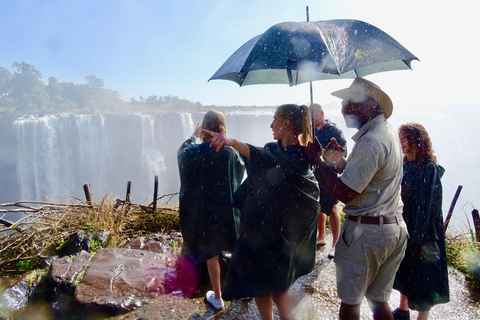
x: 57, y: 154
x: 53, y: 151
x: 151, y: 158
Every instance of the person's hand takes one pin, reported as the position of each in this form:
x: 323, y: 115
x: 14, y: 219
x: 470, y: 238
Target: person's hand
x: 218, y: 140
x: 197, y: 131
x: 334, y: 151
x: 314, y: 151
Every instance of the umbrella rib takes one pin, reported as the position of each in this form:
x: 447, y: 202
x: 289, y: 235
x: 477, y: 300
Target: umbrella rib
x: 329, y: 51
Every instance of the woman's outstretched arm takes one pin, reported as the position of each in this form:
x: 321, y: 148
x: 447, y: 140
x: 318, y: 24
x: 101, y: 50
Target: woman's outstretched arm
x: 218, y: 140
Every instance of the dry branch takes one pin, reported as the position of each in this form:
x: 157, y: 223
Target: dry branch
x: 44, y: 229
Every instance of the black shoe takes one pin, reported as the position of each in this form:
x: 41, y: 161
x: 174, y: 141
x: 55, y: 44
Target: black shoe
x: 399, y: 314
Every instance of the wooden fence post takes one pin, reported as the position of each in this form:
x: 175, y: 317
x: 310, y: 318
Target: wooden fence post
x: 127, y: 196
x: 452, y: 205
x: 476, y: 223
x: 86, y: 190
x: 155, y: 194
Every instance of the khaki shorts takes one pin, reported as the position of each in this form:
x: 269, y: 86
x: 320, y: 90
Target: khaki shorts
x: 367, y: 257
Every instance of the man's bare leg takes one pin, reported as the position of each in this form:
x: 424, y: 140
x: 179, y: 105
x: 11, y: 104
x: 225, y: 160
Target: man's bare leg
x: 381, y: 310
x: 335, y: 224
x: 285, y: 303
x: 265, y: 307
x: 322, y: 217
x: 349, y: 311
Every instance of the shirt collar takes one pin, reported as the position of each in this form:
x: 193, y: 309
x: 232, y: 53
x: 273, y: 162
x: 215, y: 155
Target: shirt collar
x: 367, y: 126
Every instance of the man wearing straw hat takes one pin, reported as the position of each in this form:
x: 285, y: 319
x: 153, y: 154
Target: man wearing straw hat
x: 373, y: 237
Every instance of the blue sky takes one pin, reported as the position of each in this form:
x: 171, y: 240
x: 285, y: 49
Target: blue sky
x: 172, y: 47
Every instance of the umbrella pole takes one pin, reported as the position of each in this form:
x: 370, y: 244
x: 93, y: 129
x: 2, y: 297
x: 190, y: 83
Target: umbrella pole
x: 311, y: 93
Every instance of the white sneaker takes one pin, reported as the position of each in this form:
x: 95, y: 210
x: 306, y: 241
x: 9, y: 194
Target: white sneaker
x: 216, y: 303
x: 331, y: 253
x: 321, y: 243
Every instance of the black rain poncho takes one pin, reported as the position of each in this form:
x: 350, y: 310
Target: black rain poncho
x: 423, y: 274
x: 279, y: 216
x: 208, y: 180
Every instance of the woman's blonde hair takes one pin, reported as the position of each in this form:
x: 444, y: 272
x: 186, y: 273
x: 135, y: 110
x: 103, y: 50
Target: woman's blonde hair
x: 214, y: 121
x: 419, y: 145
x: 301, y: 121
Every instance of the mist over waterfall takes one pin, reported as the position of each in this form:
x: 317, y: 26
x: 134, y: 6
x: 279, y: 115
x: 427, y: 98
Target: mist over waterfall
x: 55, y: 152
x: 51, y: 157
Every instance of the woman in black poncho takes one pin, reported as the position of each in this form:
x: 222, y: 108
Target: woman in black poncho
x: 208, y: 221
x: 279, y: 215
x: 422, y: 277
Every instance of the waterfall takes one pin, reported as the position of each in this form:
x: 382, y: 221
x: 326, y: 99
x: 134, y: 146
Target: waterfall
x: 151, y: 158
x: 53, y: 151
x: 57, y: 154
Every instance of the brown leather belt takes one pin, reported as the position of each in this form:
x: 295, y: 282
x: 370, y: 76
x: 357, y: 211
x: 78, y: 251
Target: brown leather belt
x: 376, y: 220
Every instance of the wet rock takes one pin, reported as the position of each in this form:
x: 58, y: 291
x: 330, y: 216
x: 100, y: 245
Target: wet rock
x: 19, y: 295
x: 83, y: 240
x: 128, y: 278
x: 66, y: 270
x: 159, y: 243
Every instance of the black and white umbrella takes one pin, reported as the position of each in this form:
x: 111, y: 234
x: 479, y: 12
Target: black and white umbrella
x: 297, y: 52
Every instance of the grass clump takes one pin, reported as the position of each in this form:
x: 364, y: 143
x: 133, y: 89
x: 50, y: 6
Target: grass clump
x: 463, y: 254
x: 46, y: 228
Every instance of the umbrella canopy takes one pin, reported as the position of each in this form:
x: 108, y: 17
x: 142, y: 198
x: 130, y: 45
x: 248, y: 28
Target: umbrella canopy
x: 297, y: 52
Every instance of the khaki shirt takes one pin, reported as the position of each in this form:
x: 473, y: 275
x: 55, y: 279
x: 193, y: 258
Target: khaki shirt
x: 375, y: 170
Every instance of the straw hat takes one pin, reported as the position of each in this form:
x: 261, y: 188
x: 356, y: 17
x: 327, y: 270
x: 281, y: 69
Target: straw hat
x: 361, y: 87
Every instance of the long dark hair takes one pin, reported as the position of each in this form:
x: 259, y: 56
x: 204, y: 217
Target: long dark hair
x: 419, y: 145
x: 301, y: 121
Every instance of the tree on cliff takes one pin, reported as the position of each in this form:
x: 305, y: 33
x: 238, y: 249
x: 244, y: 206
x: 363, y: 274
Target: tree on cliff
x: 24, y: 92
x: 5, y: 77
x: 94, y: 81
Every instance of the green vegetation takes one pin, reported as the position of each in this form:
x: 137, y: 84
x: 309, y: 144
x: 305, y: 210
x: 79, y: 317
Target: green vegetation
x: 33, y: 276
x: 61, y: 243
x: 89, y: 227
x: 463, y: 254
x: 24, y: 92
x: 24, y: 265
